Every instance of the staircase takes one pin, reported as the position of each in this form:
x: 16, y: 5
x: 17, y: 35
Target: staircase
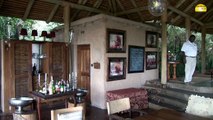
x: 173, y: 95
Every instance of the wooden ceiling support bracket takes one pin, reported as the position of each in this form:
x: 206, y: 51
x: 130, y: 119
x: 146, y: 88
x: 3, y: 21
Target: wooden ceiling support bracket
x: 29, y: 6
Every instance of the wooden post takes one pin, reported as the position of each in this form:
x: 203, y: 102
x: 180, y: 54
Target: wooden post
x: 67, y: 33
x: 188, y: 27
x: 66, y: 23
x: 164, y: 49
x: 203, y: 51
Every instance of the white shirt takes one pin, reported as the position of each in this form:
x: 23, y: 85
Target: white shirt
x: 190, y: 48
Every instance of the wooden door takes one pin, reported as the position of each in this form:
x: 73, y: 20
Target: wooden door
x: 83, y: 60
x: 22, y: 68
x: 58, y: 61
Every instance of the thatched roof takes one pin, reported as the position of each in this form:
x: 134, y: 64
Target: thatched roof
x: 136, y: 10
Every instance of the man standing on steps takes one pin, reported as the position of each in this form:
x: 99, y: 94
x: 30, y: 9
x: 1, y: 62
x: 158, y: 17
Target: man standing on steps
x: 190, y: 51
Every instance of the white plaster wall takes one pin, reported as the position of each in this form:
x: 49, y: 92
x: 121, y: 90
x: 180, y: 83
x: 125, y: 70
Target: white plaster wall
x: 92, y: 31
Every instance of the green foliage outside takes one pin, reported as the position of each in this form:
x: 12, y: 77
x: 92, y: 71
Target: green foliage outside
x: 176, y: 38
x: 13, y: 26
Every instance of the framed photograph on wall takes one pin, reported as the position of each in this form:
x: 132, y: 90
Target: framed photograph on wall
x: 151, y: 60
x: 136, y: 59
x: 151, y: 39
x: 116, y: 68
x: 116, y: 41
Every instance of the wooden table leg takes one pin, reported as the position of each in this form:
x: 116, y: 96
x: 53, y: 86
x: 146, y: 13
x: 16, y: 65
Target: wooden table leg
x: 174, y: 73
x: 39, y: 109
x: 168, y: 72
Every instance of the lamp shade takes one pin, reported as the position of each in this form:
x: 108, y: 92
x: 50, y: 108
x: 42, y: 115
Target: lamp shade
x: 44, y: 33
x: 48, y: 35
x: 23, y: 31
x: 34, y: 33
x: 52, y: 33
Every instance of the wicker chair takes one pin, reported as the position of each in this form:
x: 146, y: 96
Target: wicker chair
x: 115, y: 107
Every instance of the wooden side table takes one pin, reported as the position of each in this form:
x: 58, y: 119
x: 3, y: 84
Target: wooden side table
x: 174, y: 64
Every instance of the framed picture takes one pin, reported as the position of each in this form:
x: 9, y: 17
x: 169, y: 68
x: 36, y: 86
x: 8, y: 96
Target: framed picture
x: 136, y: 59
x: 151, y: 39
x: 115, y: 41
x: 151, y: 60
x: 116, y: 68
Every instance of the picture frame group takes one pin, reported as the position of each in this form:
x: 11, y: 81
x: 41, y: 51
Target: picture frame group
x: 116, y: 41
x: 151, y: 39
x: 136, y: 59
x: 151, y: 60
x: 116, y: 68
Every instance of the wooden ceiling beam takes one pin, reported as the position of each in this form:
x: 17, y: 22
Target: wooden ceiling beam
x: 138, y: 12
x: 122, y: 7
x: 1, y: 3
x: 185, y: 10
x: 209, y: 25
x: 29, y: 6
x: 78, y: 11
x: 76, y: 6
x: 114, y: 6
x: 180, y: 2
x: 96, y: 5
x: 185, y: 15
x: 52, y: 13
x: 133, y: 10
x: 207, y: 13
x: 209, y: 18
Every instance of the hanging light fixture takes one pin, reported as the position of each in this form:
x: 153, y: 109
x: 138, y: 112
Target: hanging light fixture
x: 157, y: 7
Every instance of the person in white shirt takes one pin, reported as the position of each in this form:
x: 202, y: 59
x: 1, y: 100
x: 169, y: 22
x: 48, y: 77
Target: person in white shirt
x: 190, y: 51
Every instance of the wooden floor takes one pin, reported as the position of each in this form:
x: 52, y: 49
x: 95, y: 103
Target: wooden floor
x: 92, y: 113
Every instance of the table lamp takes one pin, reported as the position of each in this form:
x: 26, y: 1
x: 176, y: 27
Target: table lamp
x: 23, y: 32
x: 44, y: 34
x: 34, y: 33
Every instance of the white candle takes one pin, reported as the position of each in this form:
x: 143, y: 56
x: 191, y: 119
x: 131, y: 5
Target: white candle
x: 69, y: 77
x: 39, y: 77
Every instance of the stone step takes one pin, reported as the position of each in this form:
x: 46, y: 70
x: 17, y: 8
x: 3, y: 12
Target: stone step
x: 167, y: 102
x: 174, y: 95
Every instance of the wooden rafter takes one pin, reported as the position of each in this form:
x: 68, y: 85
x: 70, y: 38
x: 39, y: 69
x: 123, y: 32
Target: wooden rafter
x: 29, y: 6
x: 204, y: 15
x: 132, y: 10
x: 76, y: 6
x: 121, y: 6
x: 77, y: 12
x: 1, y: 3
x: 185, y: 10
x: 112, y: 6
x: 209, y: 18
x: 180, y: 2
x: 52, y: 13
x: 96, y: 5
x: 185, y: 15
x: 138, y: 12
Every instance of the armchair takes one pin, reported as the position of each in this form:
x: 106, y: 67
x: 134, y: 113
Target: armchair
x: 71, y: 113
x: 121, y: 106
